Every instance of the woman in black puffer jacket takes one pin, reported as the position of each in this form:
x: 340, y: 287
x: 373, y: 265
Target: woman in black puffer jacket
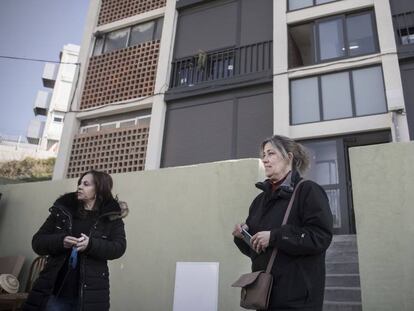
x: 83, y: 231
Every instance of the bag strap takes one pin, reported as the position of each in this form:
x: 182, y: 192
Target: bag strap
x: 274, y: 253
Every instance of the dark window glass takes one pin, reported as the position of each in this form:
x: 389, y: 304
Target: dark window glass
x: 142, y: 33
x: 360, y: 34
x: 305, y: 100
x: 331, y: 39
x: 338, y: 95
x: 301, y: 45
x: 116, y: 40
x: 323, y: 1
x: 99, y: 42
x: 158, y: 30
x: 369, y: 91
x: 299, y: 4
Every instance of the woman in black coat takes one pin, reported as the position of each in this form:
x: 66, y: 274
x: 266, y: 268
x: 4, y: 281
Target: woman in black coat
x: 83, y: 231
x: 299, y: 268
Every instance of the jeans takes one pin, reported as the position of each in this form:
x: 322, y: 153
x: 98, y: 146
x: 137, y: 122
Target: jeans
x: 62, y: 304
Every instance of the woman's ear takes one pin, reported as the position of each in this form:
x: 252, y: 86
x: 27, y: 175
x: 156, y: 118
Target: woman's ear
x: 290, y: 156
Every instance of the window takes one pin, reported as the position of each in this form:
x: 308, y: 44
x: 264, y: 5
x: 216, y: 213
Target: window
x: 142, y: 33
x: 332, y: 38
x: 340, y: 95
x: 404, y: 26
x: 116, y: 40
x: 89, y: 129
x: 142, y: 121
x: 301, y: 4
x: 58, y: 119
x: 126, y: 37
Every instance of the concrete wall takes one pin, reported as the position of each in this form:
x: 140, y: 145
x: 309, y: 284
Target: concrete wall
x: 383, y: 183
x: 176, y: 214
x: 19, y: 151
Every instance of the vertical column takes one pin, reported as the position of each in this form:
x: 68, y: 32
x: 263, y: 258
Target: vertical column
x: 391, y: 69
x: 280, y: 66
x: 159, y: 107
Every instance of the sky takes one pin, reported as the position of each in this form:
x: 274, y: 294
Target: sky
x: 32, y: 29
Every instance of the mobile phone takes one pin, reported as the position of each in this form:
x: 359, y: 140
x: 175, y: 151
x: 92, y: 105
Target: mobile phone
x: 247, y: 237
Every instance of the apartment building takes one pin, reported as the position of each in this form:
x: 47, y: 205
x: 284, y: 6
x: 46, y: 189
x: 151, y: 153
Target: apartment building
x: 167, y: 83
x: 53, y: 102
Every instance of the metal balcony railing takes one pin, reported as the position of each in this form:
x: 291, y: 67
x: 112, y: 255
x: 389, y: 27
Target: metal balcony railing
x: 404, y: 27
x: 222, y: 64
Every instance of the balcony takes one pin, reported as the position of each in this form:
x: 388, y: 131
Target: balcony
x: 49, y: 75
x: 42, y: 103
x: 244, y: 64
x: 404, y: 33
x: 35, y: 131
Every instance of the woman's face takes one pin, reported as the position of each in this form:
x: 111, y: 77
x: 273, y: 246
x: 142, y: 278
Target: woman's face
x: 276, y: 167
x: 86, y: 188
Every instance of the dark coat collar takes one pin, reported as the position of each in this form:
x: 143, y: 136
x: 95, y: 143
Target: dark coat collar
x: 286, y: 188
x: 70, y: 203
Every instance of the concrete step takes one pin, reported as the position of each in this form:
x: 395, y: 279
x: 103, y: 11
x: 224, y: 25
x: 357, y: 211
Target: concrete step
x: 341, y: 306
x: 344, y: 238
x: 341, y: 256
x: 342, y: 268
x: 344, y: 280
x: 341, y: 293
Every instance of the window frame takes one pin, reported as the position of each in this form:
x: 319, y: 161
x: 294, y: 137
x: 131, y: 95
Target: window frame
x: 343, y: 17
x: 157, y: 22
x: 352, y: 90
x: 117, y: 123
x: 307, y: 7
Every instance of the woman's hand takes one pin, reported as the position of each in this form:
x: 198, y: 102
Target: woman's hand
x: 260, y: 241
x: 69, y: 241
x: 237, y: 231
x: 83, y: 242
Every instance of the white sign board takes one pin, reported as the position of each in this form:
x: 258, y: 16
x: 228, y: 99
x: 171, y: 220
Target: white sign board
x: 196, y: 286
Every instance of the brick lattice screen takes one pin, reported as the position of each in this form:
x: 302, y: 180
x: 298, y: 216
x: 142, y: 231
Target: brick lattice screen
x: 121, y: 75
x: 113, y: 10
x: 113, y: 151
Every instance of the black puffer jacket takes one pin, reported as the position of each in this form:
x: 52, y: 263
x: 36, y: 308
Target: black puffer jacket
x: 106, y: 241
x: 299, y: 269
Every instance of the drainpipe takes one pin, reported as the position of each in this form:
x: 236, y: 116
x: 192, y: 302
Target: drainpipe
x: 395, y: 115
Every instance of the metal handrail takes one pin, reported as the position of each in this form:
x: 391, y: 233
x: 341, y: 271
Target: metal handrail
x: 404, y: 27
x: 222, y: 64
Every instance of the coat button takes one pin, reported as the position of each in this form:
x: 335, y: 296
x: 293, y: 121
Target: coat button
x: 64, y: 220
x: 57, y: 214
x: 84, y: 285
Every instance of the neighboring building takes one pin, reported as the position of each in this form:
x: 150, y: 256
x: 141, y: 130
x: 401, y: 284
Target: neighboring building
x: 167, y: 83
x: 54, y: 105
x: 403, y: 16
x: 16, y: 148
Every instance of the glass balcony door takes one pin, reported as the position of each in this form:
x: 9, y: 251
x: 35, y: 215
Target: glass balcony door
x: 330, y: 168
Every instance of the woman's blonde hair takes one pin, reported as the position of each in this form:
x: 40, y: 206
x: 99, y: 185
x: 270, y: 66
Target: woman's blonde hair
x: 285, y: 145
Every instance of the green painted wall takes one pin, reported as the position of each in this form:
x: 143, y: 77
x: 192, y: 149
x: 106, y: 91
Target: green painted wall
x: 383, y: 193
x: 176, y: 214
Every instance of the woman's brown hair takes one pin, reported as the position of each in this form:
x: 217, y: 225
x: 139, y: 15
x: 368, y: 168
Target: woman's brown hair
x: 285, y: 145
x: 103, y: 186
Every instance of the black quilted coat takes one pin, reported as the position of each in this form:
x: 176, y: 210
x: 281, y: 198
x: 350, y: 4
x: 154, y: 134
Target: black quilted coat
x: 106, y: 241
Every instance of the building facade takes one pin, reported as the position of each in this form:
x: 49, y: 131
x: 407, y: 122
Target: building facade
x: 46, y: 132
x: 167, y: 83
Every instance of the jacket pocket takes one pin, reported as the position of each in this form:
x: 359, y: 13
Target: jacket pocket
x: 292, y: 287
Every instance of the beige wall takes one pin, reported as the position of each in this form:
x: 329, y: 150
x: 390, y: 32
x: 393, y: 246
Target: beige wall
x: 176, y: 214
x: 383, y: 192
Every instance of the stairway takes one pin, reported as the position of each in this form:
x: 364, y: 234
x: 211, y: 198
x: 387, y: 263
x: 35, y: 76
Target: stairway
x: 342, y: 288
